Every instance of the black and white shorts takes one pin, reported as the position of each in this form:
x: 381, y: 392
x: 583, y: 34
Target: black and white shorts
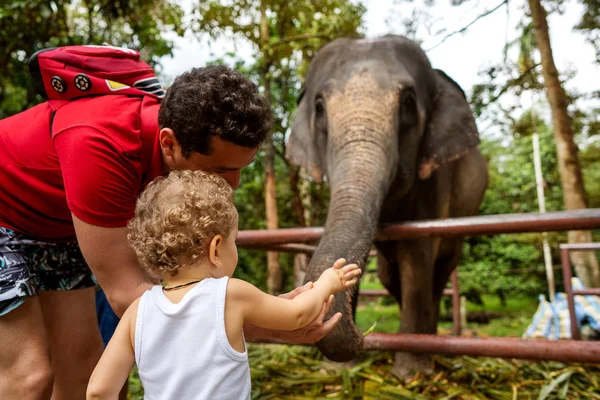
x: 28, y: 265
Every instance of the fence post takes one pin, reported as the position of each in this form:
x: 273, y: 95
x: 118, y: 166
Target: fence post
x: 542, y: 205
x: 566, y: 267
x: 456, y: 304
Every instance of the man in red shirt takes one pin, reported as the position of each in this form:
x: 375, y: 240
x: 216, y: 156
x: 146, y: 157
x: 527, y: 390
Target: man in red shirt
x: 67, y: 191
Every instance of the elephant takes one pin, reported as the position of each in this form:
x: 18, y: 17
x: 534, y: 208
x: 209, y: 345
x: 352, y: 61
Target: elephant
x: 397, y: 142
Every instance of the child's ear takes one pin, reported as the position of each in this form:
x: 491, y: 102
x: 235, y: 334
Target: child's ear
x: 214, y: 250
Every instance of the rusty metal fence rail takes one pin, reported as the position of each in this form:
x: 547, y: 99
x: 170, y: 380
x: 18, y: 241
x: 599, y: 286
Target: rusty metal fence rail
x: 272, y: 239
x: 295, y: 240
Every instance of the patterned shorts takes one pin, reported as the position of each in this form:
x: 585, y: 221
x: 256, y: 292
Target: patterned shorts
x: 28, y: 265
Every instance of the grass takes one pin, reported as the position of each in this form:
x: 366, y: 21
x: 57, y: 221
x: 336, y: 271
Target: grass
x: 517, y: 316
x: 385, y: 314
x: 386, y: 317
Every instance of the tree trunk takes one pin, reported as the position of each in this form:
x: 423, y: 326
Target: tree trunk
x: 294, y: 173
x: 300, y: 260
x: 90, y: 15
x: 273, y: 269
x: 306, y: 198
x: 585, y: 263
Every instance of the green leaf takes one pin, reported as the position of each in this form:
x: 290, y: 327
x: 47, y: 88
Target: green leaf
x: 565, y: 389
x: 549, y: 388
x: 371, y: 329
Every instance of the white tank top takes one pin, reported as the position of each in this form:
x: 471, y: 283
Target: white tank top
x: 182, y: 351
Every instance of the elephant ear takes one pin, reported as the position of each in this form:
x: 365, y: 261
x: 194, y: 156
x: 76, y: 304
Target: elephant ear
x: 301, y: 148
x: 451, y: 131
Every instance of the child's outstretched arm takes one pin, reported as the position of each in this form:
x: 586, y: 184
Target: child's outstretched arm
x: 264, y: 310
x: 117, y: 359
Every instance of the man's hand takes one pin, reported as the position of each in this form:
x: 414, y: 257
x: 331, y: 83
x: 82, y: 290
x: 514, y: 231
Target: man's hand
x: 310, y: 334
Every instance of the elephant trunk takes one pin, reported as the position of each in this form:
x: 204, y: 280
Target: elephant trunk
x: 359, y: 182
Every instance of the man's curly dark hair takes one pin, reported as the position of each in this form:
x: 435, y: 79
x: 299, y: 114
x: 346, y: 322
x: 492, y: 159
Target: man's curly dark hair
x: 215, y: 101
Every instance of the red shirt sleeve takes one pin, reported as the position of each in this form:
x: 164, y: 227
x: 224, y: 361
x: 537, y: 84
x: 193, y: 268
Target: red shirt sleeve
x: 102, y: 173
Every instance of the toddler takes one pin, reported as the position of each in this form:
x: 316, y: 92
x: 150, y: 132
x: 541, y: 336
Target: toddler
x: 186, y: 335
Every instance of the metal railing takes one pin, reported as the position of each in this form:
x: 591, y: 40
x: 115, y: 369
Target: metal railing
x: 534, y: 349
x: 271, y: 239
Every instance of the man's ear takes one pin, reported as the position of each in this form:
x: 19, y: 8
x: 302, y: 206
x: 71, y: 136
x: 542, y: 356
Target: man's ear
x: 167, y: 141
x: 214, y: 250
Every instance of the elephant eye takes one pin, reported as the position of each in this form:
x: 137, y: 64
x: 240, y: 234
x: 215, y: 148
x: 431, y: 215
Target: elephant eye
x: 320, y: 117
x: 408, y: 108
x: 319, y: 107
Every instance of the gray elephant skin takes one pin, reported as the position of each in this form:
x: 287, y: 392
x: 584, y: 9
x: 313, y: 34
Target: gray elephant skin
x: 397, y: 142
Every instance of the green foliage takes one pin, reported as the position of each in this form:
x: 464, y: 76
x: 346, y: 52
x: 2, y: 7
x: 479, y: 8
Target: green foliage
x: 590, y: 164
x: 590, y: 24
x: 512, y: 186
x: 295, y: 29
x: 28, y: 26
x: 503, y: 265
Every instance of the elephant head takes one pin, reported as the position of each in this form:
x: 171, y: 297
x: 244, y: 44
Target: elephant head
x: 374, y: 117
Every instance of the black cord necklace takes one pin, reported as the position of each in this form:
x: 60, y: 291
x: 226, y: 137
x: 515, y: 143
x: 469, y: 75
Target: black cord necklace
x: 180, y: 286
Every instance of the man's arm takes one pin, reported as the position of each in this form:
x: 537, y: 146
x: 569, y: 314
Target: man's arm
x: 113, y: 263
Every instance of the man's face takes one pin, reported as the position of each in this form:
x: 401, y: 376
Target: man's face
x: 225, y: 159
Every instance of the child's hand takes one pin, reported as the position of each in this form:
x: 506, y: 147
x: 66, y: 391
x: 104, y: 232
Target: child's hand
x: 341, y: 277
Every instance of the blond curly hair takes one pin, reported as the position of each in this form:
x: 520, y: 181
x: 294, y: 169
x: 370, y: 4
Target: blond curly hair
x: 177, y: 216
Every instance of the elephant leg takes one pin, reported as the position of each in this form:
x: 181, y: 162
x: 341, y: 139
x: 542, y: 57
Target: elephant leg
x: 448, y: 258
x: 419, y: 313
x: 388, y: 271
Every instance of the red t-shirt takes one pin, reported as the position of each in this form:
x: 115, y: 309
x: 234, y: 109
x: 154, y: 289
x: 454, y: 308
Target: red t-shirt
x: 93, y: 163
